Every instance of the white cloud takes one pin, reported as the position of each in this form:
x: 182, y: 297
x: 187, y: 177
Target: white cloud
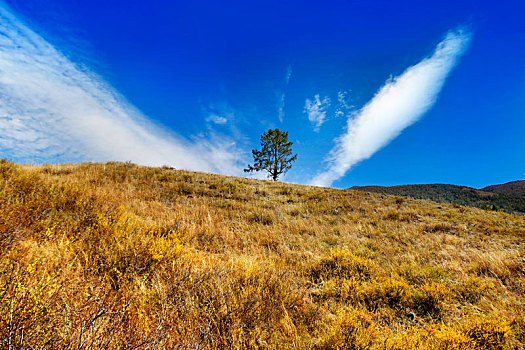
x: 217, y: 119
x: 53, y: 110
x: 288, y: 74
x: 282, y: 95
x: 281, y: 106
x: 316, y: 110
x: 397, y: 105
x: 343, y: 106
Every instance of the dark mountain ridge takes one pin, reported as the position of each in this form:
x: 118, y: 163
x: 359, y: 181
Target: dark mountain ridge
x: 514, y: 188
x: 508, y: 197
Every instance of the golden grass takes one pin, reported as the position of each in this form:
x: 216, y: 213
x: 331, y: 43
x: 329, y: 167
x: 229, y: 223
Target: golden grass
x: 105, y: 256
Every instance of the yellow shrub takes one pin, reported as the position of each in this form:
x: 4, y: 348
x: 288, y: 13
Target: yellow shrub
x: 518, y: 324
x: 472, y: 288
x: 450, y: 338
x: 487, y: 333
x: 389, y: 292
x: 475, y: 333
x: 340, y: 289
x: 421, y: 274
x: 354, y: 329
x: 343, y: 264
x: 431, y: 298
x: 26, y: 307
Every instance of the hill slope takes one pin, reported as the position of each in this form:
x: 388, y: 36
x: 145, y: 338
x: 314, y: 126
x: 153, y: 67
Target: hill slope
x: 496, y: 197
x: 107, y: 256
x: 515, y: 188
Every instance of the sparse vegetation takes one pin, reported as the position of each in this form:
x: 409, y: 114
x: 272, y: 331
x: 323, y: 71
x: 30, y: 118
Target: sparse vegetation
x: 113, y: 255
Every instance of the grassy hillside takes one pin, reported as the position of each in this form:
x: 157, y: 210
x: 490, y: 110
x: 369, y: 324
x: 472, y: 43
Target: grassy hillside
x: 461, y: 195
x: 106, y: 256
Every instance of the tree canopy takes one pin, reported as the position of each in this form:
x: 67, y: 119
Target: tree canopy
x: 275, y: 155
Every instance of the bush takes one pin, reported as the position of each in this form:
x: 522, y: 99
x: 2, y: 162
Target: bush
x: 472, y: 289
x: 485, y: 333
x: 343, y: 264
x: 26, y: 308
x: 389, y: 292
x: 430, y: 298
x: 345, y: 290
x: 354, y: 329
x: 450, y: 338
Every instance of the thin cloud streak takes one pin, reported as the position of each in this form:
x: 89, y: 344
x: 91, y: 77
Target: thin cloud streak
x: 53, y: 110
x: 282, y: 99
x: 282, y: 96
x: 398, y: 104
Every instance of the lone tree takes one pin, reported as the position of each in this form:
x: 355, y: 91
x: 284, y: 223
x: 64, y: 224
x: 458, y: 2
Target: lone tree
x: 275, y: 156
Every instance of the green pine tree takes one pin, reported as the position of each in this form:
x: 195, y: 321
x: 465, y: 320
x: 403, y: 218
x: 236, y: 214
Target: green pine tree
x: 275, y: 156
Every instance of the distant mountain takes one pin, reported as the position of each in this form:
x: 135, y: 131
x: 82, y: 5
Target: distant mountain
x: 515, y: 188
x: 508, y: 197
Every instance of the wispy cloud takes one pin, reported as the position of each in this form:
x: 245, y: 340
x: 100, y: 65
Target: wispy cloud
x: 217, y: 119
x: 282, y: 94
x: 282, y: 99
x: 316, y: 110
x: 343, y: 105
x: 54, y: 110
x: 288, y: 74
x: 397, y: 105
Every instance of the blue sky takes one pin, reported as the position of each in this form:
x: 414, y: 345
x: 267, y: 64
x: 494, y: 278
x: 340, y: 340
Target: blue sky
x: 371, y: 92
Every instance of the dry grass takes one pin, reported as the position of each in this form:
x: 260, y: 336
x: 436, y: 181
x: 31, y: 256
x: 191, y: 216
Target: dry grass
x: 105, y: 256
